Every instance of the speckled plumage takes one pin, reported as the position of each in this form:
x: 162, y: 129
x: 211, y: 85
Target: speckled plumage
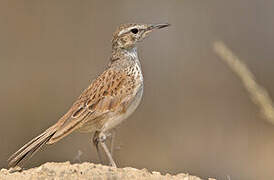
x: 110, y: 98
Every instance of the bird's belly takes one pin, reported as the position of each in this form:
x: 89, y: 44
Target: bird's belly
x: 119, y: 117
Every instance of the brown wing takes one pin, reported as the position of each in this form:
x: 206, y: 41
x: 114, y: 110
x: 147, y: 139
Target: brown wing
x: 105, y: 94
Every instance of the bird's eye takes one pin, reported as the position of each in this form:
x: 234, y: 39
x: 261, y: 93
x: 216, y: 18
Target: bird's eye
x: 134, y: 30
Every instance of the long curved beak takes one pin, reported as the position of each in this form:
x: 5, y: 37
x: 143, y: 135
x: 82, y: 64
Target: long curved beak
x: 157, y: 26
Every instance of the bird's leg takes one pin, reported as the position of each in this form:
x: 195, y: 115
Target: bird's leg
x: 112, y: 138
x: 102, y: 140
x: 95, y: 141
x: 113, y: 134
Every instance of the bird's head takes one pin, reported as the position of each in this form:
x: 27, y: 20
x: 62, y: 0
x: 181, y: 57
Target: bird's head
x: 128, y: 35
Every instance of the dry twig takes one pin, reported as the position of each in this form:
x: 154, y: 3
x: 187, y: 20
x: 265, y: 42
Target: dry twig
x: 257, y: 93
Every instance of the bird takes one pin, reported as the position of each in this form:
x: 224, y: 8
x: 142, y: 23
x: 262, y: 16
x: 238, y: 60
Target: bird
x: 109, y: 99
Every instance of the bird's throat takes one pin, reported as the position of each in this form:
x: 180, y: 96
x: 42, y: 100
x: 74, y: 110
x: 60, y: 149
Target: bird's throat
x: 127, y: 54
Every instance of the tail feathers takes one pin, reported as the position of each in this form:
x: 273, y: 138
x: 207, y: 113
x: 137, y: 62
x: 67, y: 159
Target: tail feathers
x: 29, y: 149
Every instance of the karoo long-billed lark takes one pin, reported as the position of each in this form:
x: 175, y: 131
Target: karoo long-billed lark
x: 109, y: 100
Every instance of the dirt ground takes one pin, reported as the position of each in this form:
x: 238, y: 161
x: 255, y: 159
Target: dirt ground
x: 68, y: 171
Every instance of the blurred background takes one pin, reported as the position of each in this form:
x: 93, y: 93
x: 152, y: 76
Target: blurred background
x: 195, y: 116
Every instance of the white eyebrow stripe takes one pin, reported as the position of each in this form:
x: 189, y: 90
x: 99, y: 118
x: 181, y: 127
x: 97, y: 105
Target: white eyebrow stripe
x: 128, y: 29
x: 123, y: 31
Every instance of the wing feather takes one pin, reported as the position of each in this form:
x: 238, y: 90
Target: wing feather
x: 105, y: 94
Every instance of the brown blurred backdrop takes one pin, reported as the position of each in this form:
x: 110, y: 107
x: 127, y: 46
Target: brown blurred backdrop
x: 201, y: 121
